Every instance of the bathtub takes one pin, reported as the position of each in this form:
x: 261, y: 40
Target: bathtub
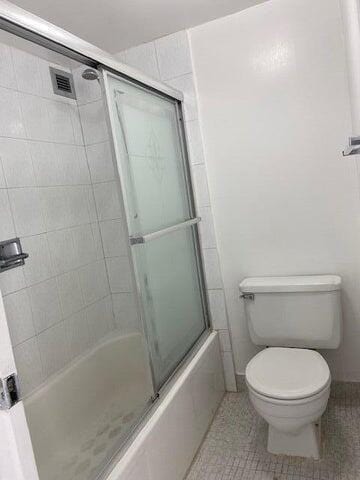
x: 166, y: 444
x: 79, y: 418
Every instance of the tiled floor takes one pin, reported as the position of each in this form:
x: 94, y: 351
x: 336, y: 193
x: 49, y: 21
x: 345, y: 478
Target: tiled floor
x: 235, y: 446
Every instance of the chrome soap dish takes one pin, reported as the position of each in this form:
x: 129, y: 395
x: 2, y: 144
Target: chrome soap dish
x: 11, y: 254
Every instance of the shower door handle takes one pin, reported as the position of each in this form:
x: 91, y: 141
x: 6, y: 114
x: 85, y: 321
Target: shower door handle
x: 138, y: 239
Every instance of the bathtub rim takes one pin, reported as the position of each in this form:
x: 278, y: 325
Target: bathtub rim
x: 162, y: 398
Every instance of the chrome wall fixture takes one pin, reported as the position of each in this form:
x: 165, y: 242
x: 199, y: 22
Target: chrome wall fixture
x: 11, y: 254
x: 134, y: 240
x: 353, y: 148
x: 9, y: 392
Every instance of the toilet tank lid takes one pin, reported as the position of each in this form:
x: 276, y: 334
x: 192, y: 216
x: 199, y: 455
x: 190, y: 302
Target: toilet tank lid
x: 301, y: 283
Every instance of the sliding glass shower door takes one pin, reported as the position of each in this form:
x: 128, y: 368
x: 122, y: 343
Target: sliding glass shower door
x: 150, y: 154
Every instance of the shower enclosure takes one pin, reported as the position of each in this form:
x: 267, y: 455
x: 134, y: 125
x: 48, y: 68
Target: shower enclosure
x: 151, y: 155
x: 94, y: 180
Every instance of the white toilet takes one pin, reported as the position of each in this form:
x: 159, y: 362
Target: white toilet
x: 289, y: 382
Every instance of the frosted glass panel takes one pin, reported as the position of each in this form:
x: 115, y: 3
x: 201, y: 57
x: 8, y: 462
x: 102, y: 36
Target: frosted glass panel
x: 167, y: 269
x: 153, y: 172
x: 151, y: 158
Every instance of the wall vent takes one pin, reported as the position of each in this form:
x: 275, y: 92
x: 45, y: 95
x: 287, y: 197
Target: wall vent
x: 62, y: 82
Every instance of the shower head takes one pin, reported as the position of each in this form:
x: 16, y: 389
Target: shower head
x: 90, y: 74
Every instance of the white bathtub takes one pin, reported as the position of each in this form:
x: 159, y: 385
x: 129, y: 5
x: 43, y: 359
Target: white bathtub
x: 77, y: 419
x: 167, y: 444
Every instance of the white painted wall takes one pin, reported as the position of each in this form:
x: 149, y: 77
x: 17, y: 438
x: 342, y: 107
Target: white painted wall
x: 275, y: 115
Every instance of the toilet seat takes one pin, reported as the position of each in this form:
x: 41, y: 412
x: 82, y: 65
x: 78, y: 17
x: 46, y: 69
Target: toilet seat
x: 287, y: 373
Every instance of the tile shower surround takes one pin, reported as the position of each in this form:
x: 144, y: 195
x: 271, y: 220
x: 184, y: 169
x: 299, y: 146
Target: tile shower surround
x: 57, y: 192
x: 169, y: 59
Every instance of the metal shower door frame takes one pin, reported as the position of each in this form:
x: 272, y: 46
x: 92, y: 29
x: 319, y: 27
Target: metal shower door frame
x: 193, y: 222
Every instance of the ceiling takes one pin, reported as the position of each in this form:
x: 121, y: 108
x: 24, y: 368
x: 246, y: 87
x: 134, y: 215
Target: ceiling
x: 115, y: 25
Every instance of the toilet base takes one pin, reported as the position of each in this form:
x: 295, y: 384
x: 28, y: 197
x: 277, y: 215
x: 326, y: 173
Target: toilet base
x: 306, y: 443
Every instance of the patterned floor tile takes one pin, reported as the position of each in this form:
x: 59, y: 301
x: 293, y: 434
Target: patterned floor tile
x: 235, y: 446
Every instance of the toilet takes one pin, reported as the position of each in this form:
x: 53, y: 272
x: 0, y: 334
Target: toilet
x: 289, y: 381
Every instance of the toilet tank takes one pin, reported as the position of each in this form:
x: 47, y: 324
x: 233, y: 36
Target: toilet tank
x: 300, y: 311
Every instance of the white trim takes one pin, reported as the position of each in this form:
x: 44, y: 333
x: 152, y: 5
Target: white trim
x: 32, y: 23
x: 16, y: 454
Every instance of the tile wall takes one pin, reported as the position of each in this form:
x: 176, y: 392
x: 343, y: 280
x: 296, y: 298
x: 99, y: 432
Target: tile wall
x: 169, y: 59
x: 57, y: 193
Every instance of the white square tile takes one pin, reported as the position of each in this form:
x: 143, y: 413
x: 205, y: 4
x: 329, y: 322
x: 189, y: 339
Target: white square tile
x: 47, y: 168
x: 200, y: 185
x: 100, y: 319
x: 45, y: 304
x: 78, y: 334
x: 7, y: 229
x: 143, y: 58
x: 107, y: 200
x: 36, y: 117
x: 7, y: 74
x: 185, y: 84
x: 114, y: 238
x: 99, y: 252
x: 212, y: 268
x: 61, y: 128
x: 91, y: 203
x: 76, y: 124
x: 126, y: 313
x: 94, y: 282
x: 19, y: 316
x: 218, y: 309
x: 195, y: 143
x: 56, y: 207
x: 27, y: 71
x: 11, y: 120
x: 12, y: 280
x: 73, y: 165
x: 100, y: 162
x: 38, y: 266
x: 93, y: 122
x: 62, y: 251
x: 173, y: 53
x: 206, y: 227
x: 77, y: 204
x: 54, y: 348
x: 71, y: 297
x: 229, y: 372
x: 83, y: 244
x: 17, y: 164
x: 28, y: 364
x: 26, y: 206
x: 225, y: 343
x: 119, y: 272
x: 2, y: 176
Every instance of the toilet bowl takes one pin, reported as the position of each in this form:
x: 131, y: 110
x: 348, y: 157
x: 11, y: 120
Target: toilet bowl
x: 289, y: 388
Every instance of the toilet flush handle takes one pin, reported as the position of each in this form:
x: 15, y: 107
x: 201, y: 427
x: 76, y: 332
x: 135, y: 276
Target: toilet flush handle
x: 248, y: 296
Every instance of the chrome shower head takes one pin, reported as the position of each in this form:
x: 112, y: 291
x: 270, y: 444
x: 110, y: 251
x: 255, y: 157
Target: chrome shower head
x: 90, y: 74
